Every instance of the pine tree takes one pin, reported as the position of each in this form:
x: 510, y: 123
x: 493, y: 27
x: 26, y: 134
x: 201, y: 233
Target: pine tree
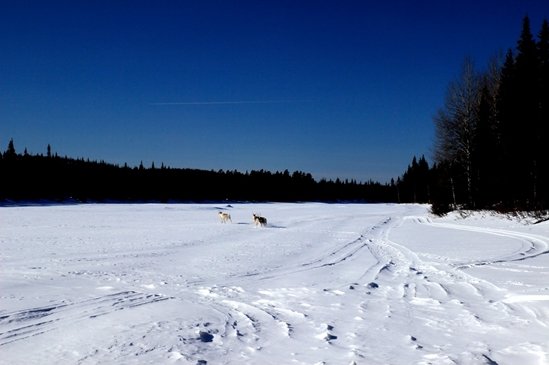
x: 506, y: 115
x: 543, y: 119
x: 527, y: 102
x: 10, y: 152
x: 485, y: 153
x: 424, y: 190
x: 414, y: 187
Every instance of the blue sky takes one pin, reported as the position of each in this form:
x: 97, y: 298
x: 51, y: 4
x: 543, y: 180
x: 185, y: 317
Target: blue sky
x: 337, y: 88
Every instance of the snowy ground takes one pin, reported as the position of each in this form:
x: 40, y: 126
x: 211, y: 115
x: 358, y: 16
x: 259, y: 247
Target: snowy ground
x: 321, y: 284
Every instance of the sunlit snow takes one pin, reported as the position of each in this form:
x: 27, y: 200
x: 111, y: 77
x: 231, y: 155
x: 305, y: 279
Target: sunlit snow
x: 320, y: 284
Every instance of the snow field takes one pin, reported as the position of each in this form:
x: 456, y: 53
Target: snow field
x: 321, y: 284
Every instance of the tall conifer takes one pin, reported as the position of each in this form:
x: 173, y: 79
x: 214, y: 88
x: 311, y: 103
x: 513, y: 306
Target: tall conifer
x: 543, y: 119
x: 527, y: 98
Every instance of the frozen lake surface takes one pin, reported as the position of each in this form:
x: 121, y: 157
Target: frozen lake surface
x: 320, y: 284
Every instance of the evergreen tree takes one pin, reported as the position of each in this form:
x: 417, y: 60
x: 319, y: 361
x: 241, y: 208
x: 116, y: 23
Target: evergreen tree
x: 10, y: 152
x: 443, y: 193
x: 424, y: 188
x: 543, y: 119
x: 506, y: 114
x: 486, y: 156
x: 414, y: 187
x: 527, y: 102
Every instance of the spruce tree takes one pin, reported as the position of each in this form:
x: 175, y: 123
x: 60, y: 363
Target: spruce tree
x: 506, y: 115
x: 527, y: 102
x: 485, y: 153
x: 10, y: 152
x: 543, y: 118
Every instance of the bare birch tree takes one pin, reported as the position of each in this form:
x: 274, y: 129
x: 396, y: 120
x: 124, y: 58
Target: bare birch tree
x: 455, y: 125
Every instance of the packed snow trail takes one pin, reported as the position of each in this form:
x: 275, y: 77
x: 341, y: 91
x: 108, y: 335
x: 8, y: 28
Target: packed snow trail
x: 321, y: 284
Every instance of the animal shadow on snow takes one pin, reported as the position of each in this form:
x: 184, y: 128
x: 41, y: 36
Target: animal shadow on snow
x: 269, y: 225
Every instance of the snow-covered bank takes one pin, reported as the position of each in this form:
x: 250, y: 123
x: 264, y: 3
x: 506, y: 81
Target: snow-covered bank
x: 322, y: 283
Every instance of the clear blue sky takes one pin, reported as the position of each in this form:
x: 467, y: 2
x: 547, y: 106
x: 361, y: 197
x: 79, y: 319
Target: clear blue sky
x: 336, y: 88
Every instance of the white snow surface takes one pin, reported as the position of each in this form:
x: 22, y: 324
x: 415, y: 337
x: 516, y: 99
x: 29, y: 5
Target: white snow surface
x: 320, y: 284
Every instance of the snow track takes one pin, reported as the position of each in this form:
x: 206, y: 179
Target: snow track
x: 25, y: 323
x: 531, y: 245
x: 323, y: 284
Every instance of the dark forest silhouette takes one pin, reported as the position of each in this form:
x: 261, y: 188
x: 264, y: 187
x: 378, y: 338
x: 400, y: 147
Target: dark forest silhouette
x: 492, y: 134
x: 52, y: 178
x: 491, y: 152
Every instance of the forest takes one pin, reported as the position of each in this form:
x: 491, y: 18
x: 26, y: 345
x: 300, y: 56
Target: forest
x: 492, y: 133
x: 51, y: 178
x: 490, y: 152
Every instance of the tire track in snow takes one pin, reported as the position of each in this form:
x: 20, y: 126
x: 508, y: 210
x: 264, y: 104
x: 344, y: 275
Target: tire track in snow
x: 533, y: 245
x: 343, y: 252
x: 19, y: 325
x: 441, y: 299
x: 337, y: 256
x: 268, y: 316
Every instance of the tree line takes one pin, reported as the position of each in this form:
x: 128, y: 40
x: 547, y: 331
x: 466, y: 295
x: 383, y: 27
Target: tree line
x: 32, y: 178
x: 492, y: 133
x: 491, y: 148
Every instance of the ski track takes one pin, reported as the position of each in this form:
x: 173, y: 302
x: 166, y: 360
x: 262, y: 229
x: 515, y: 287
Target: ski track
x: 363, y: 299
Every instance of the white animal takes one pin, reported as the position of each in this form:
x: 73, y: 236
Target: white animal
x: 225, y: 217
x: 259, y: 221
